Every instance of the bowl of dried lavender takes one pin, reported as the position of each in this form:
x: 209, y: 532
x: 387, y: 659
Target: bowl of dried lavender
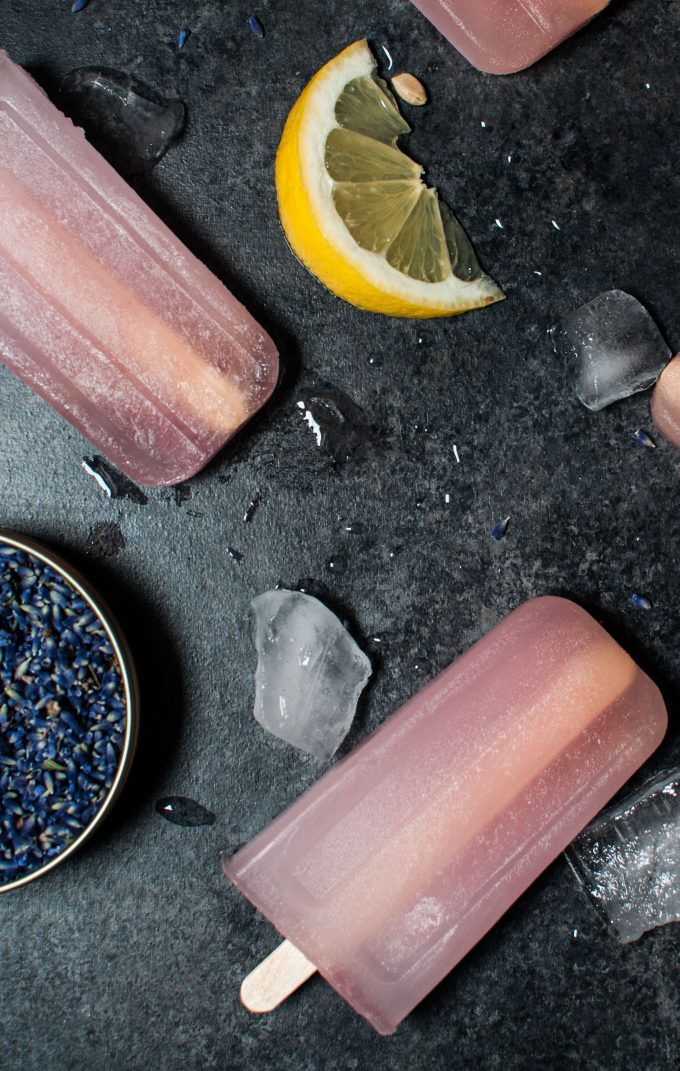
x: 68, y: 710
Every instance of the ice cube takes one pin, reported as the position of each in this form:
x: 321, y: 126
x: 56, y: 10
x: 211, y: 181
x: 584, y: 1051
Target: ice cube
x: 612, y: 348
x: 309, y: 674
x: 629, y: 859
x: 129, y: 122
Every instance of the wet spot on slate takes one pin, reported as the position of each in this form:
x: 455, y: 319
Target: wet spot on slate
x: 105, y: 539
x: 183, y: 811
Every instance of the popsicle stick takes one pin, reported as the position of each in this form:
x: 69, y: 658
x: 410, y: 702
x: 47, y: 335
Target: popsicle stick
x: 275, y: 978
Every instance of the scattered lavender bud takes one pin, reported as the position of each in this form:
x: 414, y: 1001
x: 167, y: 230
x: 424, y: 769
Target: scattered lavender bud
x: 256, y: 26
x: 644, y: 439
x: 182, y: 40
x: 499, y: 530
x: 78, y: 5
x: 641, y: 601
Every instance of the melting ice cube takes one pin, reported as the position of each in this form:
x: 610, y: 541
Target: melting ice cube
x: 629, y: 859
x: 612, y: 348
x: 129, y: 122
x: 309, y: 674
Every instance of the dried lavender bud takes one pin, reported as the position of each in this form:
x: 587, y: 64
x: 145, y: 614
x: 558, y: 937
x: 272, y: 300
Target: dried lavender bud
x: 62, y: 713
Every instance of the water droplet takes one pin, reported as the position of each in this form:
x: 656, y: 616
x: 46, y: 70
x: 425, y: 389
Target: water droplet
x: 251, y: 509
x: 340, y: 427
x: 308, y: 585
x: 337, y: 564
x: 183, y: 811
x: 127, y: 121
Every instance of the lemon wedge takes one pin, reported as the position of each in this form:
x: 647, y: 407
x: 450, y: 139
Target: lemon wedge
x: 355, y: 209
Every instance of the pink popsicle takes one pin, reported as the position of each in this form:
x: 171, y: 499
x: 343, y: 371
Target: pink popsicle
x: 388, y: 870
x: 666, y: 401
x: 105, y: 313
x: 502, y: 36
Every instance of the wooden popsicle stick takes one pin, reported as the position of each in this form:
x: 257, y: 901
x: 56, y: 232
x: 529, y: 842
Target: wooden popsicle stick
x: 275, y: 978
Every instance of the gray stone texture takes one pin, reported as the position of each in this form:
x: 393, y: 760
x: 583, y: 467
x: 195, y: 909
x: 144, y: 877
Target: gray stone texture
x: 130, y: 956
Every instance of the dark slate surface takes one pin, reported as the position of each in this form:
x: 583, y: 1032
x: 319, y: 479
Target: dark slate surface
x: 130, y: 957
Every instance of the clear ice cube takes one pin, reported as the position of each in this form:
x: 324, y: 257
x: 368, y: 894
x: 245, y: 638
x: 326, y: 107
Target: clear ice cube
x: 127, y: 121
x: 612, y: 348
x: 628, y: 859
x: 309, y: 674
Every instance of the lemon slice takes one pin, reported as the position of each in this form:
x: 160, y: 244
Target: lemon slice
x: 355, y: 208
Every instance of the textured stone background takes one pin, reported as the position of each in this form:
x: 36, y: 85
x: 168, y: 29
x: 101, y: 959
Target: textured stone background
x: 130, y: 957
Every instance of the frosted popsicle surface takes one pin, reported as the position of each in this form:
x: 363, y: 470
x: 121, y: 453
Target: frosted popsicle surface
x: 502, y: 36
x: 388, y: 870
x: 105, y: 313
x: 666, y: 401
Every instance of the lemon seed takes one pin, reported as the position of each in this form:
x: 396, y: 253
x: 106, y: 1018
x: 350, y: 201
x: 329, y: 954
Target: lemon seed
x: 409, y: 89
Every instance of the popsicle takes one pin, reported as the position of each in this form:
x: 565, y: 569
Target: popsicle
x: 105, y: 313
x: 503, y: 36
x: 666, y: 401
x: 398, y: 860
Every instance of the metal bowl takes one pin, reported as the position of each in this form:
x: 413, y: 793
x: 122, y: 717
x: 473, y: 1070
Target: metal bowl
x: 130, y: 686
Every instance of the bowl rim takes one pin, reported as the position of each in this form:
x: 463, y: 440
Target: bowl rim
x: 130, y: 685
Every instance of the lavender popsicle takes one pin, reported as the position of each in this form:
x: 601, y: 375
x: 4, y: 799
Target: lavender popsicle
x: 503, y: 36
x: 666, y: 401
x: 105, y: 313
x: 388, y: 870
